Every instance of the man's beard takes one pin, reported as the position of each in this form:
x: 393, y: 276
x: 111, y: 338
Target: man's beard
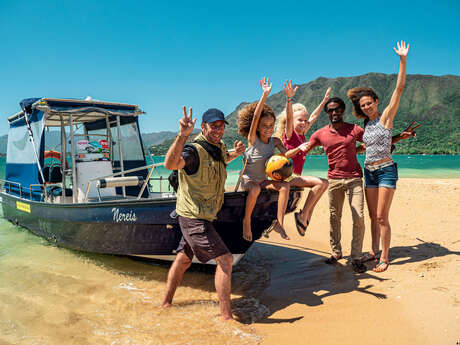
x: 338, y: 120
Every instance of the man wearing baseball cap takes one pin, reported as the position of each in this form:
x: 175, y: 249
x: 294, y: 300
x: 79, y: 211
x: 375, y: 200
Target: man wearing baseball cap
x: 200, y: 195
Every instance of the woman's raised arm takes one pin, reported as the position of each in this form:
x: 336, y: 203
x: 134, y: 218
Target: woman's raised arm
x: 315, y: 114
x: 390, y: 111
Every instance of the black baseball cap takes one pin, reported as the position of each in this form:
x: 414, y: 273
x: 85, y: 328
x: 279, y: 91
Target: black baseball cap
x: 213, y: 115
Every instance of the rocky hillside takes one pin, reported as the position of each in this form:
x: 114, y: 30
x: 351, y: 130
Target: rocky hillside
x: 432, y: 101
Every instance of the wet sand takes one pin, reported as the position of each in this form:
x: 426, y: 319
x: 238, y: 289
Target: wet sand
x: 416, y: 301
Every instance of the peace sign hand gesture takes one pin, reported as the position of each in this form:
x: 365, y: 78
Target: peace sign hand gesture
x: 288, y: 90
x: 409, y: 131
x: 402, y: 50
x: 186, y: 123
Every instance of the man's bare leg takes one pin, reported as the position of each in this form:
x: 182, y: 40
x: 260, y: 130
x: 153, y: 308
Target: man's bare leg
x: 175, y: 274
x: 223, y: 283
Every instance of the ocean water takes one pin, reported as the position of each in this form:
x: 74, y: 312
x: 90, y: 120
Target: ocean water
x: 51, y: 295
x: 409, y: 166
x: 55, y: 296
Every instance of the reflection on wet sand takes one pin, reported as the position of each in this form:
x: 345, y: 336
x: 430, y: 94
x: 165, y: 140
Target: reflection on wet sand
x: 50, y: 295
x: 54, y: 296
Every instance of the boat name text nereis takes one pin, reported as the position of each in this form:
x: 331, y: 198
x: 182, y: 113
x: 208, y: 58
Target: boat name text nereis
x: 123, y: 217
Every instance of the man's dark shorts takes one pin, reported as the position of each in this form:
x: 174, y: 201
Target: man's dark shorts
x: 201, y: 239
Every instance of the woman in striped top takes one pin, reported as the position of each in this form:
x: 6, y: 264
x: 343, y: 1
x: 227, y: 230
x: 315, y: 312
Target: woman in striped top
x: 380, y: 172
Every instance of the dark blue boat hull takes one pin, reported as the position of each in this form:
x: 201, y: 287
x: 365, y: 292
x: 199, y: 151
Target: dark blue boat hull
x: 143, y: 227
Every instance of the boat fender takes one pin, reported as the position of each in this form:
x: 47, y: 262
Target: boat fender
x: 120, y: 181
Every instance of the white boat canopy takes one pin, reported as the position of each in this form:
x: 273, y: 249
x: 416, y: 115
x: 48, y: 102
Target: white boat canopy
x: 58, y: 111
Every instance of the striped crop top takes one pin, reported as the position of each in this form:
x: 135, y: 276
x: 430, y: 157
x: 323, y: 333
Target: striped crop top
x: 378, y: 141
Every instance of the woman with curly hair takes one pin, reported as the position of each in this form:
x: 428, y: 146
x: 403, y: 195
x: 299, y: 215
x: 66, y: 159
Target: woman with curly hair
x: 380, y: 172
x: 293, y: 124
x: 256, y: 122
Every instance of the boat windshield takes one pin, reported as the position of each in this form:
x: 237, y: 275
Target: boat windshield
x: 130, y: 142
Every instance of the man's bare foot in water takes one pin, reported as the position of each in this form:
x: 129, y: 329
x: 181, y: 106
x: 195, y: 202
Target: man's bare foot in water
x: 247, y: 233
x: 279, y: 229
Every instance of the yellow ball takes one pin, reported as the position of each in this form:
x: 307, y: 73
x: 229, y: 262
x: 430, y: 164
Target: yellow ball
x: 278, y: 167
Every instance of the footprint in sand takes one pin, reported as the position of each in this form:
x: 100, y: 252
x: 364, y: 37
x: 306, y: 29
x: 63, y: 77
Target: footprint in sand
x: 441, y: 288
x: 428, y: 266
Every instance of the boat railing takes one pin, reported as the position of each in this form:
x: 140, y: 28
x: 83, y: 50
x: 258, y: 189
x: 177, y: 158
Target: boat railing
x: 40, y: 186
x: 4, y: 182
x: 121, y: 181
x: 30, y: 188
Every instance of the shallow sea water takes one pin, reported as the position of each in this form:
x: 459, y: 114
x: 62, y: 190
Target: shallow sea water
x: 51, y: 295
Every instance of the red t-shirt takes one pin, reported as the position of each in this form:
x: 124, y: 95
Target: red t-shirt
x: 292, y: 143
x: 340, y: 148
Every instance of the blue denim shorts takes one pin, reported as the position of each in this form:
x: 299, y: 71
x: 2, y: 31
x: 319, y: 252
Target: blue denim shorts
x: 383, y: 177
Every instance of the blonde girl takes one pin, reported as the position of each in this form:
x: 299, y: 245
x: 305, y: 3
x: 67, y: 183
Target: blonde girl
x: 293, y: 124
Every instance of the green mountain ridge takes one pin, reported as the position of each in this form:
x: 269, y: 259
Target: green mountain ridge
x: 433, y: 101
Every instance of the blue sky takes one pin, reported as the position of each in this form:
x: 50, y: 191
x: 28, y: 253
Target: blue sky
x: 162, y: 55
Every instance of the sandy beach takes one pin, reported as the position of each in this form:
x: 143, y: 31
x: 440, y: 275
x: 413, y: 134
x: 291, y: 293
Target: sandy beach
x: 416, y: 301
x: 283, y: 289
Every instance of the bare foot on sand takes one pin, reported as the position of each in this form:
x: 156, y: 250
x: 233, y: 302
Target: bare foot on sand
x: 228, y: 318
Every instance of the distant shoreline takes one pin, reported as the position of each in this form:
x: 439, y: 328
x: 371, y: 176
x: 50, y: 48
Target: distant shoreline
x: 323, y: 154
x: 395, y: 154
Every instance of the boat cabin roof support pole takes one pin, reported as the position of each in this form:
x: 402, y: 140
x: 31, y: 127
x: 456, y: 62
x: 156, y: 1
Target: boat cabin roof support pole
x: 85, y: 133
x: 63, y: 157
x: 74, y: 168
x: 109, y: 138
x: 120, y: 153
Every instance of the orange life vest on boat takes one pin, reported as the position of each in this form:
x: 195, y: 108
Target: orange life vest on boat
x: 56, y: 155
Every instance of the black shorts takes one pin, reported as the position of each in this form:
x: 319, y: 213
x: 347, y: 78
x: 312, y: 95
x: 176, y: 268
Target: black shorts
x: 199, y: 238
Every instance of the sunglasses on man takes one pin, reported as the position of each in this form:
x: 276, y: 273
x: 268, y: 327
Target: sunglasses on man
x: 332, y: 110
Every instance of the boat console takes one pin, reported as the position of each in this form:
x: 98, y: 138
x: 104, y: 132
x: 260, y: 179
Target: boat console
x: 86, y: 171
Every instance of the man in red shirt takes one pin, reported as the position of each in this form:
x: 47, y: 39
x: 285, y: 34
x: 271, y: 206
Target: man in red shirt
x: 345, y: 179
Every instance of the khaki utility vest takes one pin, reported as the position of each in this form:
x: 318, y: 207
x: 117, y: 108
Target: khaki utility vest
x: 201, y: 195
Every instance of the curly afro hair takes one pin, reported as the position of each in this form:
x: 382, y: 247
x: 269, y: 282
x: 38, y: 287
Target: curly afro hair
x: 355, y: 95
x: 247, y: 113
